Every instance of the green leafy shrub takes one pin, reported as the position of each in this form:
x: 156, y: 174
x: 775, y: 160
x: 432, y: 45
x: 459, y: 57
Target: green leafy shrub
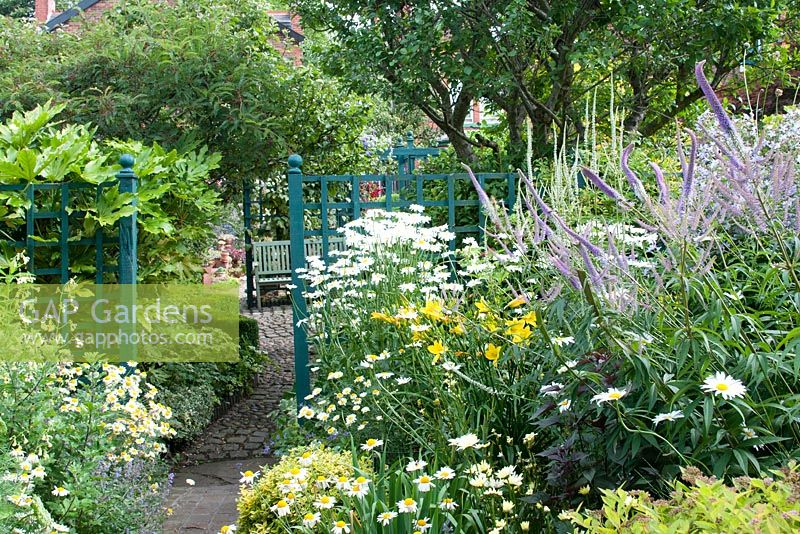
x: 176, y: 202
x: 192, y: 403
x: 248, y: 333
x: 315, y: 468
x: 703, y: 504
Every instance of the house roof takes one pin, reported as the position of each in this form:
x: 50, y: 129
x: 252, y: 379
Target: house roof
x: 63, y: 17
x: 284, y: 22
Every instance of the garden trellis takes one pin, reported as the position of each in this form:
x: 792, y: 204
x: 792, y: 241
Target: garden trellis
x: 319, y: 205
x: 51, y: 202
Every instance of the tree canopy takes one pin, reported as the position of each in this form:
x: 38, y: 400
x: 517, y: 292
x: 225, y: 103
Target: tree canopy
x: 199, y: 72
x: 539, y: 59
x: 16, y: 8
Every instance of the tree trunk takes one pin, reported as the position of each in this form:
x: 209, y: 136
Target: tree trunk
x: 463, y: 148
x: 517, y: 148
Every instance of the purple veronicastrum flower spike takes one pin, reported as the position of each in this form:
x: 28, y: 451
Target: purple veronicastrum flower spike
x: 634, y: 180
x: 483, y: 197
x: 663, y: 190
x: 604, y: 187
x: 716, y: 106
x: 688, y: 170
x: 549, y: 212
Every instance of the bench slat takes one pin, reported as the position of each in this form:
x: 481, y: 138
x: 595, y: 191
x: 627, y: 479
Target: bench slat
x: 274, y: 262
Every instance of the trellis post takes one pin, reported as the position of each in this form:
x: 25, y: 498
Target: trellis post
x: 298, y: 261
x: 128, y: 260
x: 248, y: 242
x: 128, y: 183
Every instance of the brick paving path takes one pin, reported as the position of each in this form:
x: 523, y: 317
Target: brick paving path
x: 236, y: 441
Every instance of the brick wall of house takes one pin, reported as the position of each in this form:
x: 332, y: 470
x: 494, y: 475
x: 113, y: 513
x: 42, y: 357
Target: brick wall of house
x: 285, y: 45
x: 43, y: 10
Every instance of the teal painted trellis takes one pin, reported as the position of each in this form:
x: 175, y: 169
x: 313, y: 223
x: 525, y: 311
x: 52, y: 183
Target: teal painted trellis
x: 414, y: 188
x: 61, y: 195
x: 407, y: 156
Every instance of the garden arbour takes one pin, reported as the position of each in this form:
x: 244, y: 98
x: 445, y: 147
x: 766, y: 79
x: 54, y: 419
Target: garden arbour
x: 319, y: 205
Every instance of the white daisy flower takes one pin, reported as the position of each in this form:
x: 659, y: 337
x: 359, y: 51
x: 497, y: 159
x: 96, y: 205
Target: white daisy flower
x: 445, y: 473
x: 613, y: 394
x: 725, y: 385
x: 281, y: 508
x: 248, y: 477
x: 60, y: 491
x: 467, y: 441
x: 386, y: 517
x: 424, y: 483
x: 407, y: 506
x: 310, y: 520
x: 371, y: 444
x: 448, y: 504
x: 325, y: 502
x: 415, y: 465
x: 669, y: 416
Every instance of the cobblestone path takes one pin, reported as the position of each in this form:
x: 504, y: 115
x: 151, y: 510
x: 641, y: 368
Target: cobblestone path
x: 235, y: 442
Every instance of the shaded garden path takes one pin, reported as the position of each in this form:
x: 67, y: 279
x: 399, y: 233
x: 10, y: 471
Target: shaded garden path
x: 236, y: 442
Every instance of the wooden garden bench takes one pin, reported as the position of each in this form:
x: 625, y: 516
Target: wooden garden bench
x: 272, y: 267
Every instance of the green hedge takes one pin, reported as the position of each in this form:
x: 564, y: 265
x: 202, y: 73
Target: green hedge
x: 194, y: 390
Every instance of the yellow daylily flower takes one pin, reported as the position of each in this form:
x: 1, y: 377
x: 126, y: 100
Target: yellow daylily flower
x: 490, y: 325
x: 492, y: 353
x: 518, y: 330
x: 437, y: 349
x: 530, y: 318
x: 482, y: 307
x: 433, y: 310
x: 517, y: 302
x: 458, y: 329
x: 379, y: 316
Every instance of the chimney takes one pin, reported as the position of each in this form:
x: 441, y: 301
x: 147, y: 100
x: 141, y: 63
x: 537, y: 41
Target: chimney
x: 44, y: 10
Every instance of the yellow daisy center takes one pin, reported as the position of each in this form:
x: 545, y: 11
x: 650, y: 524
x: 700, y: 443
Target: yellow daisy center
x: 722, y: 386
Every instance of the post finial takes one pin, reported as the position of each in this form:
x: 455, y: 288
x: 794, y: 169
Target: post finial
x: 410, y: 139
x: 295, y: 162
x: 126, y: 161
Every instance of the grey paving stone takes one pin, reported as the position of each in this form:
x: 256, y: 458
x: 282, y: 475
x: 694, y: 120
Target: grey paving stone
x: 235, y: 442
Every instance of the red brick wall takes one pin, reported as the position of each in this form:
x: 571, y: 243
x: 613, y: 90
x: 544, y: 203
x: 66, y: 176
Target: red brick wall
x: 44, y: 10
x: 285, y: 45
